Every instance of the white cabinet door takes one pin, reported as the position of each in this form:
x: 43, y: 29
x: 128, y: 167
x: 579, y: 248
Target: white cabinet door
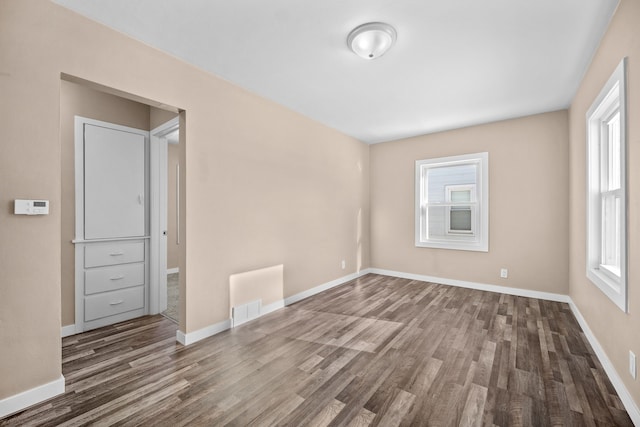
x: 114, y: 183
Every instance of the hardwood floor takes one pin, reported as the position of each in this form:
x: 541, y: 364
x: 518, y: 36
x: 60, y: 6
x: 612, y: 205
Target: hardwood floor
x: 375, y: 351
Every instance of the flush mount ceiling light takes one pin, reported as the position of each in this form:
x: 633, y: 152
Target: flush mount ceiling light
x: 372, y: 40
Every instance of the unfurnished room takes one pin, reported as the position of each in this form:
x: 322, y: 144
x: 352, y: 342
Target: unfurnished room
x: 330, y: 213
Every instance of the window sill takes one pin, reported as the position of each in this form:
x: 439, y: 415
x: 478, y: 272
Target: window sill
x: 614, y: 289
x: 612, y: 272
x: 458, y: 246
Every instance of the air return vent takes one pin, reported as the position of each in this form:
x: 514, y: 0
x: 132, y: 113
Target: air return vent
x: 245, y: 312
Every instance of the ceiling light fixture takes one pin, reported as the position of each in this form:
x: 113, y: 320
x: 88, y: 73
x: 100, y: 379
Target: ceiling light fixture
x: 372, y: 40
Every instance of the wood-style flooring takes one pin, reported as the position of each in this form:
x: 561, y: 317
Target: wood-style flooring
x: 375, y: 351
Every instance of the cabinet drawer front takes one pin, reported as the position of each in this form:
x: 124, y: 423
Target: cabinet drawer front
x: 111, y: 278
x: 115, y: 302
x: 99, y: 254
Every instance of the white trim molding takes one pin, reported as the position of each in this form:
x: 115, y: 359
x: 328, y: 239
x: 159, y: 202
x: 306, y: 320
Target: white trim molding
x: 477, y: 239
x: 173, y: 270
x: 20, y: 401
x: 200, y: 334
x: 474, y: 285
x: 67, y: 331
x: 266, y: 309
x: 621, y: 389
x: 607, y: 218
x: 321, y: 288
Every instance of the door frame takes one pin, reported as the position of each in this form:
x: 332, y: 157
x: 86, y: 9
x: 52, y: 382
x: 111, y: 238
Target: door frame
x: 158, y: 219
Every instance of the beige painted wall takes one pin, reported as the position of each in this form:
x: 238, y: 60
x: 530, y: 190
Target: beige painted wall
x: 261, y: 184
x: 616, y: 331
x: 158, y: 117
x: 78, y: 100
x: 528, y: 190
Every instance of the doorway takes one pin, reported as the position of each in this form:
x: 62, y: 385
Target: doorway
x: 165, y: 154
x: 79, y: 97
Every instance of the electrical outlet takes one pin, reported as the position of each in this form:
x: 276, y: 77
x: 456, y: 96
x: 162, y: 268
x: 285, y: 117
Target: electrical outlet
x: 632, y: 364
x: 344, y: 264
x: 504, y: 273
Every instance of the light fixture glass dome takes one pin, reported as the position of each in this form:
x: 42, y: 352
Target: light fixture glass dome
x: 372, y: 40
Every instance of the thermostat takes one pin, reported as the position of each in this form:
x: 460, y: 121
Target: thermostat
x: 31, y: 207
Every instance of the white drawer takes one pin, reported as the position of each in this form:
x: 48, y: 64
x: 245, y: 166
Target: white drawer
x: 114, y: 277
x: 115, y: 302
x: 111, y: 253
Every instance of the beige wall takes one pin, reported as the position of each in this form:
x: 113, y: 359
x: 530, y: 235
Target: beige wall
x: 261, y: 185
x: 78, y: 100
x: 528, y: 190
x: 616, y: 331
x: 159, y: 117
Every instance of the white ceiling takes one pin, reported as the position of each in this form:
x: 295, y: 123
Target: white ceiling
x: 455, y: 63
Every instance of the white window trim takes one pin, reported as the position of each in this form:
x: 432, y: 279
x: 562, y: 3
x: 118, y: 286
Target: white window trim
x: 606, y: 280
x: 481, y: 243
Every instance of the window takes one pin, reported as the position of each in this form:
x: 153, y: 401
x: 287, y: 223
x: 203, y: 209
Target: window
x: 606, y: 190
x: 452, y: 202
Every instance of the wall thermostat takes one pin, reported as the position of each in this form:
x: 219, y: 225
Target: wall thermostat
x: 31, y: 207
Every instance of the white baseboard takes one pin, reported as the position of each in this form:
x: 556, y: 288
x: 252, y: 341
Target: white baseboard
x: 474, y: 285
x: 68, y: 330
x: 200, y: 334
x: 621, y: 389
x: 266, y: 309
x: 173, y: 270
x: 20, y: 401
x: 320, y: 288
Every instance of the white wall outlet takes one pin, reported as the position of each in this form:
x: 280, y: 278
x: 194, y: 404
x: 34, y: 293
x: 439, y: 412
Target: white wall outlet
x: 632, y: 364
x: 504, y: 273
x: 344, y: 264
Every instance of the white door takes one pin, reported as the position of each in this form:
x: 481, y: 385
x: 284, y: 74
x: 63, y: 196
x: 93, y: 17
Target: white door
x: 114, y: 183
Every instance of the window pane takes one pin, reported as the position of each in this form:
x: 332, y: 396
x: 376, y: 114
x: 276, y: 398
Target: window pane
x: 460, y: 196
x: 446, y: 223
x: 436, y: 221
x: 438, y: 178
x: 613, y: 127
x: 611, y: 231
x: 460, y: 219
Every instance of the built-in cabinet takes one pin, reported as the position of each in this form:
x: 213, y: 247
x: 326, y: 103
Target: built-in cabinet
x: 114, y: 280
x: 112, y: 223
